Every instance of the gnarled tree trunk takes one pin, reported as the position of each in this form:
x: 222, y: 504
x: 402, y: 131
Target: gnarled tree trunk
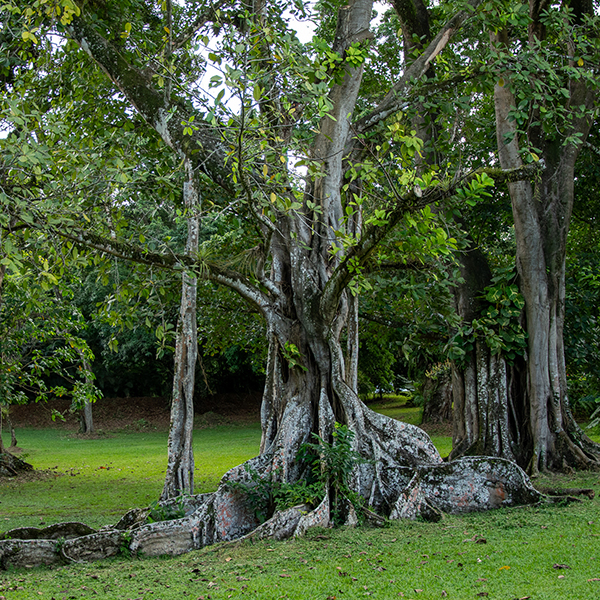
x: 303, y: 297
x: 486, y: 389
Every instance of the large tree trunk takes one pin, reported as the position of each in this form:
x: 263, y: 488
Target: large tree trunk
x: 179, y: 478
x: 541, y: 217
x: 310, y: 382
x: 484, y: 386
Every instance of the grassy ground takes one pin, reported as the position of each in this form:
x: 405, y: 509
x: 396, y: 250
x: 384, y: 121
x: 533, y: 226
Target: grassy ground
x: 97, y: 480
x: 549, y: 552
x: 542, y: 553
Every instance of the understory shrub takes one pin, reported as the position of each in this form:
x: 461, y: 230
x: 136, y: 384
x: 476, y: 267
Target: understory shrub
x: 330, y: 466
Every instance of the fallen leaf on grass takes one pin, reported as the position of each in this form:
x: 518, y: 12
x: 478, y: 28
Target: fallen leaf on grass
x: 561, y: 576
x: 228, y: 559
x: 503, y: 568
x: 444, y: 593
x: 483, y: 594
x: 284, y: 575
x: 559, y: 566
x: 594, y: 579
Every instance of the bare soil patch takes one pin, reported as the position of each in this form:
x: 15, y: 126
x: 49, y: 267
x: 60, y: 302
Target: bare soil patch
x: 135, y: 414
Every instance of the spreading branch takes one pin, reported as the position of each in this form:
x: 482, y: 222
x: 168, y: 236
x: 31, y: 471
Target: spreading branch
x: 414, y: 200
x: 204, y: 146
x: 397, y: 96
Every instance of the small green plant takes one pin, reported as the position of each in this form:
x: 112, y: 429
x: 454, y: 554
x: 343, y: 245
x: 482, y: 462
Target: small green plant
x: 293, y: 356
x: 59, y: 544
x: 301, y: 492
x: 332, y: 465
x: 260, y: 493
x: 166, y: 512
x: 594, y: 424
x: 125, y: 546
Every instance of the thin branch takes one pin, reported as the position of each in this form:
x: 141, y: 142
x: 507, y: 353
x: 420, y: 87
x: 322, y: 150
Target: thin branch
x: 396, y: 97
x: 204, y: 145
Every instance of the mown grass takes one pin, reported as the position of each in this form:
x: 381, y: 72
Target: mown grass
x: 548, y: 552
x: 544, y: 553
x: 97, y: 480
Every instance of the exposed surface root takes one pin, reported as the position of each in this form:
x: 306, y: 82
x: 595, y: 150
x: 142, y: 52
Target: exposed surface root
x: 421, y: 491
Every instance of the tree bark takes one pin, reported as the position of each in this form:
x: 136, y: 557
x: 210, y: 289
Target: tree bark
x: 86, y: 417
x: 541, y: 214
x: 437, y: 394
x: 179, y: 478
x: 304, y: 299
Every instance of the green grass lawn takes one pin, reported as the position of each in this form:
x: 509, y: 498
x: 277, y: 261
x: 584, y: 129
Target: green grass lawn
x: 97, y: 480
x: 542, y: 553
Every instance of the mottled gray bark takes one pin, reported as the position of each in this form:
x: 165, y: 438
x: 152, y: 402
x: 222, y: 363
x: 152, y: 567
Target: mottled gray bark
x: 179, y: 477
x: 437, y: 395
x: 541, y: 214
x: 300, y: 287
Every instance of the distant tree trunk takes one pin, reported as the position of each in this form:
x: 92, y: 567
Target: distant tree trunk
x: 2, y: 448
x: 10, y: 465
x: 86, y: 420
x: 484, y: 387
x: 13, y: 435
x: 437, y: 393
x: 179, y: 478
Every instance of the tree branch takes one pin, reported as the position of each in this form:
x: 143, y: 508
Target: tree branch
x: 172, y: 262
x: 396, y: 97
x: 374, y: 234
x: 204, y: 147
